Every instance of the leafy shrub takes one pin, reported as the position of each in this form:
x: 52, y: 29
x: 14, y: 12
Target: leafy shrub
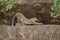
x: 55, y: 14
x: 6, y: 5
x: 55, y: 8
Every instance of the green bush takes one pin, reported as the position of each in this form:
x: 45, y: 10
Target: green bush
x: 6, y: 5
x: 55, y: 8
x: 55, y: 14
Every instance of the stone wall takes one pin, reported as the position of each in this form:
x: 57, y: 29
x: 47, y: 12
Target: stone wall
x: 37, y: 32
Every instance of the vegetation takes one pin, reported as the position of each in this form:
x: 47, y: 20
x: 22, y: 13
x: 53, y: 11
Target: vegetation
x: 55, y: 14
x: 55, y: 8
x: 6, y: 5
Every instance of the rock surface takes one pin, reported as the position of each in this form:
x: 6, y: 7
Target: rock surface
x: 23, y: 32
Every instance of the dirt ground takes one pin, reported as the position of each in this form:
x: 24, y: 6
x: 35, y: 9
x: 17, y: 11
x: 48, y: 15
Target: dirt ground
x: 34, y: 32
